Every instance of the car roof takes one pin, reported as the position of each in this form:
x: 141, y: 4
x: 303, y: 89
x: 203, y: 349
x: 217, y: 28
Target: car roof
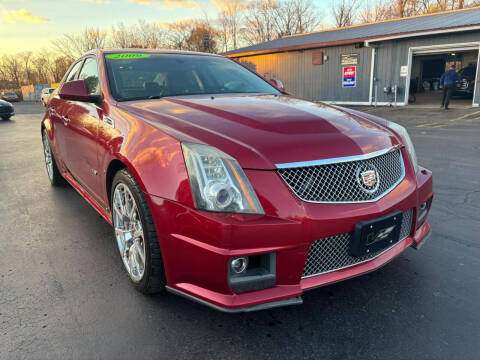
x: 149, y: 51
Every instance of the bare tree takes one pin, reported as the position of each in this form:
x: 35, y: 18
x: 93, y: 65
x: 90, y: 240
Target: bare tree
x: 193, y: 35
x: 150, y: 35
x: 11, y: 68
x: 296, y: 16
x: 178, y: 33
x: 378, y: 11
x: 143, y: 35
x: 74, y: 45
x: 259, y: 24
x: 41, y: 68
x: 202, y: 37
x: 26, y: 58
x: 230, y: 14
x: 344, y: 12
x: 122, y: 36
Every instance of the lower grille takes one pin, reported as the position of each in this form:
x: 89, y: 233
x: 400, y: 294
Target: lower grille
x: 331, y: 253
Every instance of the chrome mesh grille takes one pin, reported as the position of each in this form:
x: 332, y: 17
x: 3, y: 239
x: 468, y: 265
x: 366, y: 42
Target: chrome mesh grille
x: 331, y: 253
x: 339, y: 182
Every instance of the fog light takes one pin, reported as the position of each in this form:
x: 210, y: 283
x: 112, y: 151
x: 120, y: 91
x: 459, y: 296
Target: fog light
x: 239, y: 265
x: 422, y: 212
x: 254, y: 272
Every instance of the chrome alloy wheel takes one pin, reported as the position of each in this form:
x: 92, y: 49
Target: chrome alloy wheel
x: 47, y: 151
x: 129, y: 231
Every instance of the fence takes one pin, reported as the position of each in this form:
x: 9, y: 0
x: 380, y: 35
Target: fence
x: 33, y: 92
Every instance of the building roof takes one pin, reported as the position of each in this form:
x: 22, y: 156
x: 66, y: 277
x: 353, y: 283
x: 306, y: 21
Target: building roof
x: 406, y: 26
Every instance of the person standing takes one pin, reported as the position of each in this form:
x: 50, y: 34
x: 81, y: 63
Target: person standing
x: 447, y: 81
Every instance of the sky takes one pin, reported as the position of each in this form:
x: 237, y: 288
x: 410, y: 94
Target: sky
x: 33, y: 24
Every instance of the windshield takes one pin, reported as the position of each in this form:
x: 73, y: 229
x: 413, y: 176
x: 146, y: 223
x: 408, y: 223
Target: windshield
x: 144, y: 76
x: 10, y: 93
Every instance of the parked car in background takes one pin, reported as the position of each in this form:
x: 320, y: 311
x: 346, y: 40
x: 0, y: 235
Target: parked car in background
x: 224, y: 189
x: 46, y: 92
x: 6, y: 110
x: 10, y: 96
x: 467, y: 85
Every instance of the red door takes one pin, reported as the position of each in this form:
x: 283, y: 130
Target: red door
x: 81, y: 122
x: 55, y: 111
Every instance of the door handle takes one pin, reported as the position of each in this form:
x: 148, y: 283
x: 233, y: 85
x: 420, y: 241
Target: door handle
x: 66, y: 120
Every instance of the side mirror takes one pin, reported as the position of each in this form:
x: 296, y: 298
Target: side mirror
x: 77, y: 91
x: 277, y: 83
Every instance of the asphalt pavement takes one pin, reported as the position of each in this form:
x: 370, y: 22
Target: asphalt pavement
x: 64, y: 293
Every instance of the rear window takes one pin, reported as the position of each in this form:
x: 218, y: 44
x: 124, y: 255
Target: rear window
x: 10, y: 93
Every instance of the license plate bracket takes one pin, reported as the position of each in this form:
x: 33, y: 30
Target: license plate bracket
x: 371, y: 236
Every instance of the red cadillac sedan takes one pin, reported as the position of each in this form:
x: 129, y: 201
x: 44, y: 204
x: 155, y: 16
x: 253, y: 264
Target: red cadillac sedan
x: 224, y: 189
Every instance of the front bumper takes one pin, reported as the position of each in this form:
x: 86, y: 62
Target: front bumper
x: 197, y: 245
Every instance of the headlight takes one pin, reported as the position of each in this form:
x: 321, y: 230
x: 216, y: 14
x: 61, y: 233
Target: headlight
x: 218, y: 182
x: 400, y: 130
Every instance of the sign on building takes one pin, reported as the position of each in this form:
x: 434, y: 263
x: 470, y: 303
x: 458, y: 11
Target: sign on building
x: 317, y: 58
x: 349, y: 76
x: 350, y: 59
x: 403, y: 70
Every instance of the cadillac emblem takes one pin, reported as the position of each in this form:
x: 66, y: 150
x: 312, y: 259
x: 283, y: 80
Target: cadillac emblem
x: 367, y: 178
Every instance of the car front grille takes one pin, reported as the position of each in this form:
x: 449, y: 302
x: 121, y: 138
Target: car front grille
x: 5, y: 109
x: 331, y: 253
x: 341, y: 182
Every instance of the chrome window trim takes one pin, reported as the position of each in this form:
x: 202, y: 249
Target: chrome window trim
x: 342, y: 160
x: 337, y: 159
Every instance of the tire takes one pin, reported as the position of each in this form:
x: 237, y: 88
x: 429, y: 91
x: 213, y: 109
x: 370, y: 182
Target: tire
x: 54, y: 175
x: 153, y: 278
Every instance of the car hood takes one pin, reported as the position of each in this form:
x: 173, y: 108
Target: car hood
x: 263, y: 130
x: 5, y: 103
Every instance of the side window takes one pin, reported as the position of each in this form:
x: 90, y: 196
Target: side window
x: 89, y: 73
x: 73, y: 72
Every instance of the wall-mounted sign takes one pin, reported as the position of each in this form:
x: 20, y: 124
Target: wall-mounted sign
x: 403, y: 71
x: 349, y: 76
x: 317, y: 58
x: 350, y: 59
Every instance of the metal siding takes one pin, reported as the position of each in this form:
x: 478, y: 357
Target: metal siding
x: 324, y: 82
x: 477, y: 84
x: 391, y: 55
x: 317, y: 82
x: 414, y: 24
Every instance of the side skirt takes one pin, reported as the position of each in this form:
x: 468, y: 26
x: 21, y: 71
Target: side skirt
x: 87, y: 197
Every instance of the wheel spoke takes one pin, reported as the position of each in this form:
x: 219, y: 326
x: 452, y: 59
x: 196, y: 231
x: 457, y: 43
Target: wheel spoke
x: 48, y: 156
x: 128, y: 231
x: 140, y: 252
x: 120, y: 235
x: 119, y: 205
x: 132, y: 211
x: 117, y: 210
